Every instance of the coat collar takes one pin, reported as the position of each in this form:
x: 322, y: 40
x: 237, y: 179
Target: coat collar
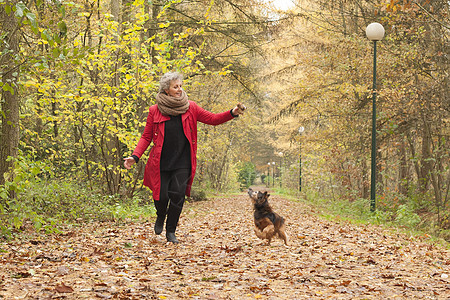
x: 158, y: 117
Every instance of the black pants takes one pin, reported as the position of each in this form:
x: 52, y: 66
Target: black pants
x: 171, y: 198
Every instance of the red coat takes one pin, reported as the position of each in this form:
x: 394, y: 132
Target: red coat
x: 154, y: 131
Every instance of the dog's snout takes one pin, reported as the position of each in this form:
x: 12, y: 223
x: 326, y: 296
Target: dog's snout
x: 252, y: 194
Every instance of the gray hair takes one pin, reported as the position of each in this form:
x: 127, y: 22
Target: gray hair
x: 164, y: 82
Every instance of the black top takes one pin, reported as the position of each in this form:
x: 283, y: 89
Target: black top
x: 176, y: 152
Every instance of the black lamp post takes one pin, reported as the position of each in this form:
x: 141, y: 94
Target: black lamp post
x: 300, y: 131
x: 374, y: 32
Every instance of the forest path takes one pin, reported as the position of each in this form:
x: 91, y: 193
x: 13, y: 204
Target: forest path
x: 219, y: 257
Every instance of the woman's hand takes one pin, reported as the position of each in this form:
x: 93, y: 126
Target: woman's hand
x: 239, y: 109
x: 128, y: 162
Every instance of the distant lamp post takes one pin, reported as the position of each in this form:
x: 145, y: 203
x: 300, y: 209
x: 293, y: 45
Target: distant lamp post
x: 374, y: 32
x: 268, y: 174
x: 300, y: 131
x: 281, y: 166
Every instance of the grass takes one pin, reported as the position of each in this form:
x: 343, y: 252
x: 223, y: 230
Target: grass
x: 358, y: 212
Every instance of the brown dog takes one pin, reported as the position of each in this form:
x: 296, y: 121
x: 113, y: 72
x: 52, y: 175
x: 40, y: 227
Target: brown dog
x: 268, y: 224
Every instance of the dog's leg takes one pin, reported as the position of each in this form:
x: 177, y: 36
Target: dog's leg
x: 282, y: 234
x: 269, y: 232
x: 259, y: 233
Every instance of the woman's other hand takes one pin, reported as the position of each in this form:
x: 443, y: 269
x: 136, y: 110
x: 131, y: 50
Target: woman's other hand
x: 128, y: 162
x: 239, y: 109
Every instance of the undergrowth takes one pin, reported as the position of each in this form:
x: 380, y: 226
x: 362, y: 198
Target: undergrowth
x: 404, y: 217
x: 48, y: 205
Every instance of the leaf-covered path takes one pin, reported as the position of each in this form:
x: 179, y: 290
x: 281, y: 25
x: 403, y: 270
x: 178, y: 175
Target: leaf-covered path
x: 219, y: 257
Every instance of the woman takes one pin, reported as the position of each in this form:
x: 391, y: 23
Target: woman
x: 170, y: 169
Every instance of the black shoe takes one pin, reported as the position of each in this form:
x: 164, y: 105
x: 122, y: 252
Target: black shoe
x: 159, y: 225
x: 171, y: 237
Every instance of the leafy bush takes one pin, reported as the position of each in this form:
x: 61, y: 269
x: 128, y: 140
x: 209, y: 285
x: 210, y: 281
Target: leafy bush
x: 49, y: 204
x: 198, y: 195
x: 406, y: 216
x: 45, y: 203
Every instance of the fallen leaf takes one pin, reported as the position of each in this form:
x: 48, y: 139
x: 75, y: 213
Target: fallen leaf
x: 345, y: 282
x: 19, y: 275
x: 178, y: 272
x: 63, y: 288
x: 101, y: 284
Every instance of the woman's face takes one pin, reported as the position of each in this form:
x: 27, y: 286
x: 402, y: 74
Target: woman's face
x: 175, y: 89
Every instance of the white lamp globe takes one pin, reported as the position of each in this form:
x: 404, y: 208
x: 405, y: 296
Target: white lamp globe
x: 375, y: 32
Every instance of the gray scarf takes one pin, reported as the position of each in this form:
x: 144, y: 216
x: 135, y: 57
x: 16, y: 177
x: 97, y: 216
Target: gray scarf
x: 172, y: 106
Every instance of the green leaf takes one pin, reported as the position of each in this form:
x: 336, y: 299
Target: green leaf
x: 55, y: 52
x: 30, y: 16
x: 7, y: 88
x: 20, y: 8
x: 56, y: 38
x: 35, y: 28
x: 62, y: 11
x: 46, y: 35
x: 8, y: 9
x: 62, y: 28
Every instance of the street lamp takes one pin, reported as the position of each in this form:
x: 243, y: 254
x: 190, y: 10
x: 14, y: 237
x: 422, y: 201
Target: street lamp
x: 268, y: 174
x: 300, y: 131
x: 374, y: 32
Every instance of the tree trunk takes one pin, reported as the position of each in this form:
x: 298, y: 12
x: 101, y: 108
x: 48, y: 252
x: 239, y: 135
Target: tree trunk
x: 426, y: 161
x: 156, y: 8
x: 403, y: 176
x: 365, y: 180
x: 116, y: 9
x: 9, y: 136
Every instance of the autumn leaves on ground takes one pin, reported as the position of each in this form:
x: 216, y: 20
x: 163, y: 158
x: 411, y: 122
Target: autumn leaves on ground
x: 219, y: 257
